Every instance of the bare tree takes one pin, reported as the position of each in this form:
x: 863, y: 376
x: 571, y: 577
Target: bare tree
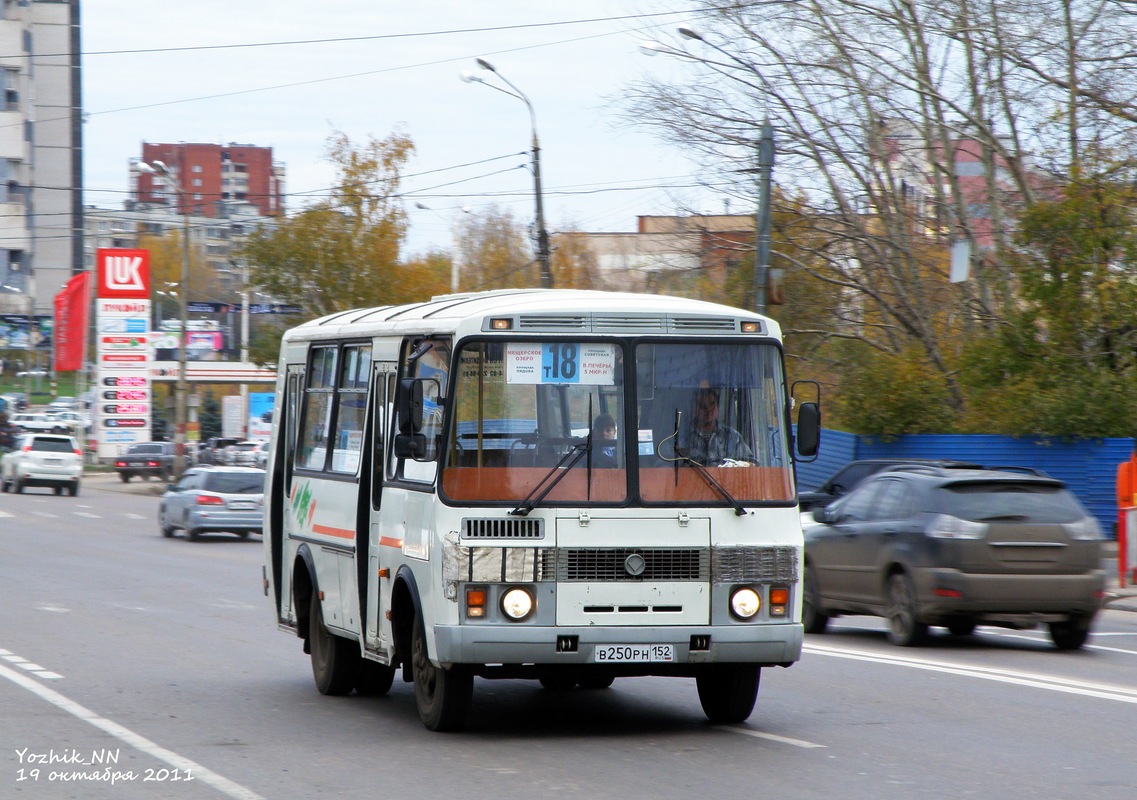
x: 902, y: 128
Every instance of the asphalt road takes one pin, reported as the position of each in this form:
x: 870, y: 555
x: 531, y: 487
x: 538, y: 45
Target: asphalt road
x: 162, y: 655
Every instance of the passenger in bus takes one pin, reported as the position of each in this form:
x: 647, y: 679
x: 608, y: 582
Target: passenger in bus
x: 604, y: 441
x: 707, y: 440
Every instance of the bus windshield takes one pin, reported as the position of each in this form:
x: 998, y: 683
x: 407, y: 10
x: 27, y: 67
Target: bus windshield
x: 659, y: 423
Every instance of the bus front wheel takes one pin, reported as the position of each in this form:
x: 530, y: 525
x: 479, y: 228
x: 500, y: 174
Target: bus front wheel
x: 727, y: 691
x: 443, y: 695
x: 335, y: 660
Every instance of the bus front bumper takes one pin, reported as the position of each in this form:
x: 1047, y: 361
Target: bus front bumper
x: 519, y: 644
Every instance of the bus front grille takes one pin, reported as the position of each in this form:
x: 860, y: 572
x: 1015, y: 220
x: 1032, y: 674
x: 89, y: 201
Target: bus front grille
x: 632, y: 564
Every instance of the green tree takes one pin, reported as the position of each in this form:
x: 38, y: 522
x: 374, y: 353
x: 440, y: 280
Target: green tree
x: 209, y: 415
x: 344, y: 252
x: 1064, y: 361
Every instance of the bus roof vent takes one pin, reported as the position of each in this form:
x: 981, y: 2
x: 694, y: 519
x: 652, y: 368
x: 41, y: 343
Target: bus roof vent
x: 497, y: 528
x: 627, y: 322
x: 552, y: 322
x: 705, y: 324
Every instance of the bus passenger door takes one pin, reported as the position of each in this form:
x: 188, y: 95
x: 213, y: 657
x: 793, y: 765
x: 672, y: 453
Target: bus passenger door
x: 378, y: 600
x: 281, y: 520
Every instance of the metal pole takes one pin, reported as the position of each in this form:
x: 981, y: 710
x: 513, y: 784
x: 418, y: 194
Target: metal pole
x: 183, y: 301
x: 28, y: 378
x: 245, y: 348
x: 542, y: 234
x: 762, y: 233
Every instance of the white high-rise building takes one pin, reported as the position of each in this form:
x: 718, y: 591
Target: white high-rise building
x: 41, y: 167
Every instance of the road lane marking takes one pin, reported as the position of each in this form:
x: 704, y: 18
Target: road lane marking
x: 1093, y: 636
x: 24, y: 664
x: 6, y: 515
x: 773, y: 737
x: 87, y: 514
x: 123, y: 734
x: 1118, y: 694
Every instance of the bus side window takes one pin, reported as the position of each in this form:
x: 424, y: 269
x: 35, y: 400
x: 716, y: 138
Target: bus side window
x: 317, y: 404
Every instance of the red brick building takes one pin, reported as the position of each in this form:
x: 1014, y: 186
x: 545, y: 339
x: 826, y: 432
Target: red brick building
x: 213, y: 176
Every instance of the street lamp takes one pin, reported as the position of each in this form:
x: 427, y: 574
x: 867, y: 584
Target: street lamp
x: 765, y: 167
x: 160, y: 171
x: 542, y: 234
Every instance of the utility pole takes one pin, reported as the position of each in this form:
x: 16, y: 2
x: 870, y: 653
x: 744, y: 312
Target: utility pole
x: 762, y: 227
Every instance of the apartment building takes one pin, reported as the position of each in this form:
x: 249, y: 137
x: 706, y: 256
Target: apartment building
x: 211, y: 176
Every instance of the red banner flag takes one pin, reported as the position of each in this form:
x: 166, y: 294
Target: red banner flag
x: 70, y: 332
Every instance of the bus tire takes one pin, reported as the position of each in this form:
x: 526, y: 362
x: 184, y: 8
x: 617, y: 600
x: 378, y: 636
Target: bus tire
x: 442, y: 695
x: 727, y: 691
x: 374, y: 679
x: 335, y: 660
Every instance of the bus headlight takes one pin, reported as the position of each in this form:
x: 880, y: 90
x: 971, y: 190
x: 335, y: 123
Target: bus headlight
x: 517, y: 603
x: 745, y: 602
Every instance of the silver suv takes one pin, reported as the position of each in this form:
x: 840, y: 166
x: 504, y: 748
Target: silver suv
x: 929, y: 546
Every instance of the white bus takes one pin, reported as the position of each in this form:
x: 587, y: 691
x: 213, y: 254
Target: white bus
x: 442, y: 497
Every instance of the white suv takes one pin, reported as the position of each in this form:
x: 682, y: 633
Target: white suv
x: 42, y: 459
x: 38, y: 422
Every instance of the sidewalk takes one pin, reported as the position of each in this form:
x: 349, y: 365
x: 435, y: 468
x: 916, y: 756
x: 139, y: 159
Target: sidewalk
x: 1122, y: 599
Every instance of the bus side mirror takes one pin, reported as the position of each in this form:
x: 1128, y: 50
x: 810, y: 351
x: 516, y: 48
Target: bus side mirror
x: 808, y: 429
x: 410, y: 406
x: 410, y: 445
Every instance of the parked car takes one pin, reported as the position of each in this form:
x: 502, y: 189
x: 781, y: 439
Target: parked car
x: 925, y: 545
x: 18, y: 399
x: 210, y: 499
x: 39, y: 422
x: 262, y: 453
x: 79, y: 423
x: 42, y: 459
x: 243, y: 453
x: 63, y: 404
x: 849, y: 476
x: 146, y: 460
x: 213, y: 451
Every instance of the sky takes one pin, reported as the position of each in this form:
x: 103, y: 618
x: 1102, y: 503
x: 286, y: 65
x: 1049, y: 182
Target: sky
x: 286, y: 74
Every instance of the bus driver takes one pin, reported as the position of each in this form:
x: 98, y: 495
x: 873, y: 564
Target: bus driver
x: 708, y: 441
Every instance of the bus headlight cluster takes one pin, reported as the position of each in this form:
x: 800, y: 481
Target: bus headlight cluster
x: 745, y: 602
x: 517, y: 603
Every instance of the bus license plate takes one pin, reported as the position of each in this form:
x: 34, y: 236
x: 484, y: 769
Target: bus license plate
x: 609, y: 653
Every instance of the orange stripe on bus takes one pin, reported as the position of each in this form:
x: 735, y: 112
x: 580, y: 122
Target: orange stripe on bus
x: 328, y: 530
x: 387, y: 541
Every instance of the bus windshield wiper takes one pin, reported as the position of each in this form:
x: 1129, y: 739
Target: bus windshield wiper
x: 574, y: 454
x: 739, y: 509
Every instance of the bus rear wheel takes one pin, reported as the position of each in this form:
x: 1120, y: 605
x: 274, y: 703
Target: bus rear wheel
x: 727, y: 691
x: 442, y: 695
x: 335, y: 660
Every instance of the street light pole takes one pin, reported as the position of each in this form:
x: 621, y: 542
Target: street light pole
x: 163, y: 173
x: 765, y: 174
x: 543, y: 252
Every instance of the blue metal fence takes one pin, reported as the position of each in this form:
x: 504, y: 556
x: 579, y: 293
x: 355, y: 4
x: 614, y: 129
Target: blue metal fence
x: 1089, y: 466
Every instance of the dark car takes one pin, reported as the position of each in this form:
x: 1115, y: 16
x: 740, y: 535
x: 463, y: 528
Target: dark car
x: 210, y: 499
x: 931, y: 546
x: 146, y: 460
x: 849, y: 476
